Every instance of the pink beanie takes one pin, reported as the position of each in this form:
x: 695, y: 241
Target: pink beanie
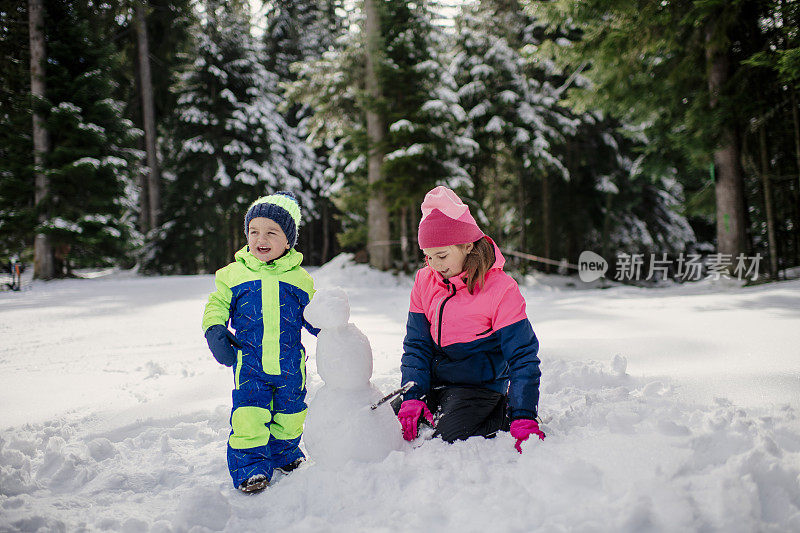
x: 446, y: 220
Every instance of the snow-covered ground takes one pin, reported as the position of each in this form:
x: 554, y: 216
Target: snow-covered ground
x: 670, y: 409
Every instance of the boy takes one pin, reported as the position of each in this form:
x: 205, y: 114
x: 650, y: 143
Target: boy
x: 263, y: 294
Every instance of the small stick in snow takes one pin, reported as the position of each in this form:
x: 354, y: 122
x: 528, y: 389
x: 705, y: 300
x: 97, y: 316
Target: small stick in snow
x: 402, y: 390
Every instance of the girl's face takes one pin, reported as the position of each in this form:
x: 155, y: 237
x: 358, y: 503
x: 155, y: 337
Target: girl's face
x: 448, y: 260
x: 266, y: 239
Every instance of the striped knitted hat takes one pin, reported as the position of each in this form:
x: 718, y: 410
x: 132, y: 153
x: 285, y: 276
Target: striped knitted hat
x: 446, y: 220
x: 282, y: 207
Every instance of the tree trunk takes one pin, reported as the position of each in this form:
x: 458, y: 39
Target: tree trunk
x: 307, y: 240
x: 43, y: 254
x: 796, y: 121
x: 731, y: 236
x: 606, y: 225
x: 546, y: 218
x: 325, y: 232
x: 148, y: 119
x: 404, y: 248
x: 414, y: 216
x: 773, y: 242
x: 377, y: 213
x: 235, y: 228
x: 521, y: 201
x: 144, y: 204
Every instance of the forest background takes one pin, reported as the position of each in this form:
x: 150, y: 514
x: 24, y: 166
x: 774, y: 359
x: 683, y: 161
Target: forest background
x: 137, y: 132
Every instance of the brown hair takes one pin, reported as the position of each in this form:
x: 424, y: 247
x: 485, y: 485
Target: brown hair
x: 477, y: 263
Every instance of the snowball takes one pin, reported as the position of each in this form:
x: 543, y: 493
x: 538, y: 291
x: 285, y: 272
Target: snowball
x: 342, y: 427
x: 328, y: 309
x: 344, y: 357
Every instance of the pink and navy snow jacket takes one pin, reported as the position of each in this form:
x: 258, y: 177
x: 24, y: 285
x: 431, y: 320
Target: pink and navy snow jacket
x: 483, y: 339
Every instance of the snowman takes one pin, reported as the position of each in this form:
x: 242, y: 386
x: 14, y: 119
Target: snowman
x: 341, y: 426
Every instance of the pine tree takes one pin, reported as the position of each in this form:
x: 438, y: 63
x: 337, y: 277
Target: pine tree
x: 415, y: 110
x: 231, y: 144
x: 17, y: 215
x: 673, y: 66
x: 298, y: 31
x: 166, y: 27
x: 89, y: 165
x: 331, y: 86
x: 772, y: 142
x: 511, y: 117
x: 545, y: 176
x: 420, y: 109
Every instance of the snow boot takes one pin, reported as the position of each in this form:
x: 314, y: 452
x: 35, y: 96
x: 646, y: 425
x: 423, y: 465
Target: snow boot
x: 255, y: 484
x: 291, y: 466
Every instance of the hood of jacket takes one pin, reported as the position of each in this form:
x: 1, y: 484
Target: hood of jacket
x: 284, y: 263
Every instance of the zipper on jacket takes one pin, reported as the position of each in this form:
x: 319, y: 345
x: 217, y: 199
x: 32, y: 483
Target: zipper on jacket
x: 441, y: 308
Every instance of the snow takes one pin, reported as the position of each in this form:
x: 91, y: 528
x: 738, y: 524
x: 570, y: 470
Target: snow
x: 607, y: 185
x: 60, y: 223
x: 401, y: 125
x: 495, y: 125
x: 665, y: 409
x: 92, y: 127
x: 406, y: 151
x: 91, y: 161
x: 68, y: 107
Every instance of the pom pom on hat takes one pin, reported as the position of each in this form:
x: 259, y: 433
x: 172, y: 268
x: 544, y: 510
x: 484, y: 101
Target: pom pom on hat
x: 446, y: 220
x: 282, y: 207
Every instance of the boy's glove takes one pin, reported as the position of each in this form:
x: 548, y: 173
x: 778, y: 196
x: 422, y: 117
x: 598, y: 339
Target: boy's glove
x: 409, y: 413
x: 221, y: 342
x: 522, y: 428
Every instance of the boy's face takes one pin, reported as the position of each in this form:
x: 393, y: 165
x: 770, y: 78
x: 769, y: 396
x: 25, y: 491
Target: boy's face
x: 266, y: 239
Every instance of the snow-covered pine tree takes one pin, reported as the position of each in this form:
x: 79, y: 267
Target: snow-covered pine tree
x: 622, y: 195
x: 89, y: 166
x: 417, y: 108
x: 231, y: 145
x: 512, y: 119
x: 421, y: 112
x: 164, y: 37
x: 331, y: 86
x: 617, y: 200
x: 297, y: 31
x: 17, y: 216
x: 551, y: 178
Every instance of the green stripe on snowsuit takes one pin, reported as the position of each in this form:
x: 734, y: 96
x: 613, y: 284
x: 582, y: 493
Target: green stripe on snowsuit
x: 264, y: 303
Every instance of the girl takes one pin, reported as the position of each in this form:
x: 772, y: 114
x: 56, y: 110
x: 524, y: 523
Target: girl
x: 469, y: 347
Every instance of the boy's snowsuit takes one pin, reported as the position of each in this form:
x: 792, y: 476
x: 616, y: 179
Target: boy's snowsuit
x: 482, y: 340
x: 264, y: 303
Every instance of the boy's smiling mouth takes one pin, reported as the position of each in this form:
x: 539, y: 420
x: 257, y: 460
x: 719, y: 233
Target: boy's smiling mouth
x: 263, y: 249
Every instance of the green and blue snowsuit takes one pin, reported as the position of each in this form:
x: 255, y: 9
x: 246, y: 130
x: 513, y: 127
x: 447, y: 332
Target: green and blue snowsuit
x: 264, y: 303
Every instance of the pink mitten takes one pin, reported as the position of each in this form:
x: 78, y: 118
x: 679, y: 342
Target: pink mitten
x: 410, y: 411
x: 522, y: 428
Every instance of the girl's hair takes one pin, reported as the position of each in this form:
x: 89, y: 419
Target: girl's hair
x: 477, y: 263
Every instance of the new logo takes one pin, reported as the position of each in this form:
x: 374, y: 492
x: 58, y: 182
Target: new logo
x: 591, y: 266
